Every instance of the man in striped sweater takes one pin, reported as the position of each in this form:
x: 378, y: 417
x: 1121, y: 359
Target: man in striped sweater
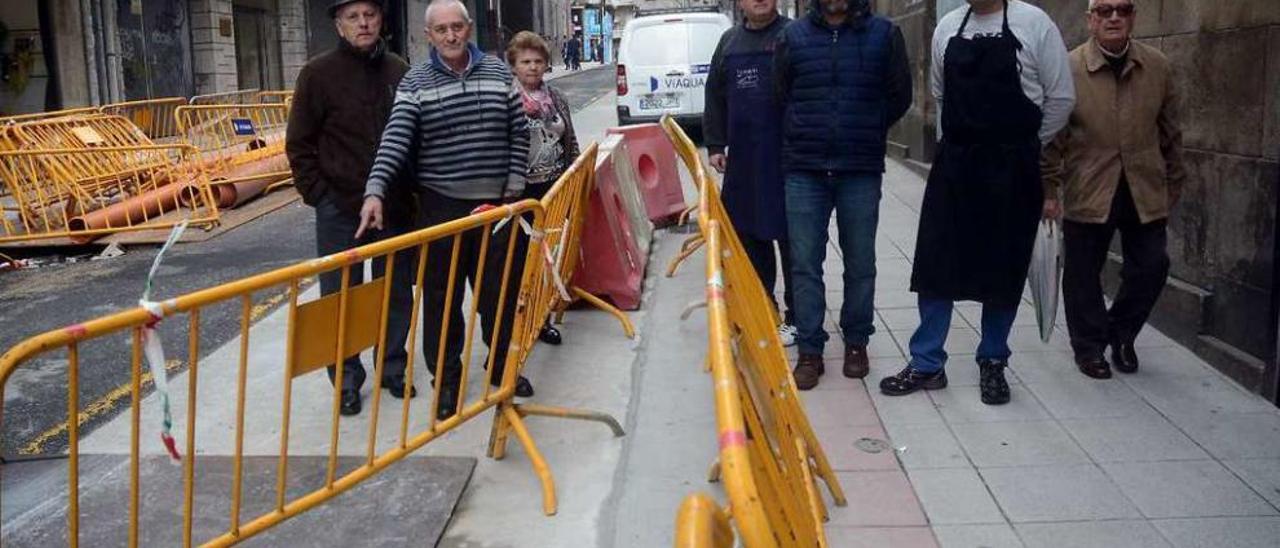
x: 458, y: 122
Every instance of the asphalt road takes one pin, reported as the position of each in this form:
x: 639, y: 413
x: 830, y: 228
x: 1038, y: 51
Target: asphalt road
x: 63, y: 293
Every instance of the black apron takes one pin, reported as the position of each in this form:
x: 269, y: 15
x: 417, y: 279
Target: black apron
x: 983, y: 201
x: 753, y: 192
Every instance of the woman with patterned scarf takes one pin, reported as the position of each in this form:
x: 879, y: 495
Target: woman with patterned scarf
x: 552, y: 143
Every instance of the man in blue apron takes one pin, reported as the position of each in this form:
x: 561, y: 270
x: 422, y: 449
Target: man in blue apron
x: 844, y: 79
x: 1002, y: 78
x: 743, y: 114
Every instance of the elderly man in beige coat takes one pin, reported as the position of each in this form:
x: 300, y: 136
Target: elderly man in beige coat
x: 1117, y: 166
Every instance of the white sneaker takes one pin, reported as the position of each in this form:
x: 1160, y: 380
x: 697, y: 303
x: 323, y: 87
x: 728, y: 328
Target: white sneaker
x: 787, y: 334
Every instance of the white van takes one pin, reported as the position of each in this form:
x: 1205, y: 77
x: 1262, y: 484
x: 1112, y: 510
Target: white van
x: 663, y: 63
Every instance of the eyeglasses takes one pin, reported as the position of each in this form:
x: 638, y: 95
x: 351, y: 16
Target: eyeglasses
x: 1104, y: 11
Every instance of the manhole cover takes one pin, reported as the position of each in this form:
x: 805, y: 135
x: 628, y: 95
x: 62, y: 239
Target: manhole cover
x: 871, y: 445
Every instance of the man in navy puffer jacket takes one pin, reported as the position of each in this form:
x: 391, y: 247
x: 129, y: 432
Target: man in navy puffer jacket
x: 843, y: 76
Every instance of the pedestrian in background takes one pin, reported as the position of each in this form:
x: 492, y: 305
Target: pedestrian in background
x: 341, y: 102
x: 843, y: 76
x: 575, y: 52
x: 460, y: 124
x: 1003, y: 85
x: 553, y: 145
x: 742, y: 114
x: 1120, y: 158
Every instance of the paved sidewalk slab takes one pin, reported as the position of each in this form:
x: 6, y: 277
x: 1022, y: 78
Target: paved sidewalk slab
x: 1175, y: 455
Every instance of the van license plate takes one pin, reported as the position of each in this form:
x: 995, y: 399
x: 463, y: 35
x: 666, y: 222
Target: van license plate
x: 657, y: 102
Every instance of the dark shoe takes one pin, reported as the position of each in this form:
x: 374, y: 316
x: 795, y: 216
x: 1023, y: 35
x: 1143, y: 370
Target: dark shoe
x: 1096, y: 367
x: 910, y: 380
x: 350, y: 404
x: 396, y: 386
x: 995, y: 390
x: 1125, y: 357
x: 856, y: 365
x: 808, y: 369
x: 524, y: 388
x: 549, y: 335
x: 448, y: 403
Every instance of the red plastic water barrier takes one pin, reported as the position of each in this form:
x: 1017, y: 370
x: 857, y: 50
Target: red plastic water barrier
x: 613, y: 264
x: 655, y: 163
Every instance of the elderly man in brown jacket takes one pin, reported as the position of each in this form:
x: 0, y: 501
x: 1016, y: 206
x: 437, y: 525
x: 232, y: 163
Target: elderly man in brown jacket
x: 1117, y: 167
x: 340, y: 104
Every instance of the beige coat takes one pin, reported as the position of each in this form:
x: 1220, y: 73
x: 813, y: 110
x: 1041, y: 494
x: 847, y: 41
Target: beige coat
x: 1128, y: 126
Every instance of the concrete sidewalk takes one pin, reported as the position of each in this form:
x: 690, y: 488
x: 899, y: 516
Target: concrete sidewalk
x: 1175, y: 455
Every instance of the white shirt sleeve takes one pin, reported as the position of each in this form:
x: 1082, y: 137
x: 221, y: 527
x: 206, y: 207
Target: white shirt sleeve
x: 1055, y: 79
x: 940, y: 38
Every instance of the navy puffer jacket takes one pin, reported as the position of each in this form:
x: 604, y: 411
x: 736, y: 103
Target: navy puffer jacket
x: 843, y: 88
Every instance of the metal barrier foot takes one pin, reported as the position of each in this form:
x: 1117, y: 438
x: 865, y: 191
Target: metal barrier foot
x: 690, y: 245
x: 525, y: 409
x: 627, y: 327
x: 535, y: 458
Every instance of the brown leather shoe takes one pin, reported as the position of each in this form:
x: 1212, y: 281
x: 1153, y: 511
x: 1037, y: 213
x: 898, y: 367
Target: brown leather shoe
x: 1097, y: 368
x: 808, y: 368
x: 856, y: 364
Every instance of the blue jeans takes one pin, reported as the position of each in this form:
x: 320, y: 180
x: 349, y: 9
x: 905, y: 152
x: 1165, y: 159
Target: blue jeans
x: 927, y: 354
x: 811, y: 197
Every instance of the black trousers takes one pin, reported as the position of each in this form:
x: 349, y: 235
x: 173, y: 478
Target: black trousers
x: 436, y: 208
x: 335, y: 232
x: 1146, y: 266
x: 764, y: 258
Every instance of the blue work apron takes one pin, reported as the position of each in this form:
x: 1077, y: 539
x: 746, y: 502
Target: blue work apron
x: 753, y: 185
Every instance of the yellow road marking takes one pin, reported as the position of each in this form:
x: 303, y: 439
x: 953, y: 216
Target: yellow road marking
x: 108, y: 401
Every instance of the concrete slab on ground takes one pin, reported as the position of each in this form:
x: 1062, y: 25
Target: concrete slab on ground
x: 411, y: 502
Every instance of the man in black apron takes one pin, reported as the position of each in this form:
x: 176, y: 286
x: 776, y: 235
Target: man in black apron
x: 1005, y: 90
x: 743, y: 114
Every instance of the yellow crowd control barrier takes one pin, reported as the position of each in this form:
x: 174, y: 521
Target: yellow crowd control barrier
x: 20, y: 118
x: 235, y: 97
x: 326, y: 330
x: 242, y: 146
x: 81, y: 193
x: 155, y: 117
x: 281, y: 97
x: 232, y: 135
x: 770, y: 458
x: 81, y: 131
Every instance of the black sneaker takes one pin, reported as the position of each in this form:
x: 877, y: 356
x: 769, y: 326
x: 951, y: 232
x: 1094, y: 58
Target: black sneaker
x: 995, y: 390
x: 910, y: 380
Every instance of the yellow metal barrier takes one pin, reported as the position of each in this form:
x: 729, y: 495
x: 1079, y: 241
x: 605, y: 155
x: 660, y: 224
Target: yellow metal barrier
x: 281, y: 97
x: 155, y: 117
x: 81, y: 131
x: 236, y: 97
x: 330, y: 328
x: 242, y: 146
x: 230, y: 135
x: 84, y: 193
x: 20, y: 118
x: 701, y: 523
x: 770, y: 457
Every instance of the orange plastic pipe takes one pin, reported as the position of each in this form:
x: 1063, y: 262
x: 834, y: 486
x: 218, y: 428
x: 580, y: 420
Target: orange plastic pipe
x: 125, y: 213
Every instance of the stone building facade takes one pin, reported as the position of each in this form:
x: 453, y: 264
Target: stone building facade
x: 1221, y: 299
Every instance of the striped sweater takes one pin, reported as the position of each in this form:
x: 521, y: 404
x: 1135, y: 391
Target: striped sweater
x: 468, y: 131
